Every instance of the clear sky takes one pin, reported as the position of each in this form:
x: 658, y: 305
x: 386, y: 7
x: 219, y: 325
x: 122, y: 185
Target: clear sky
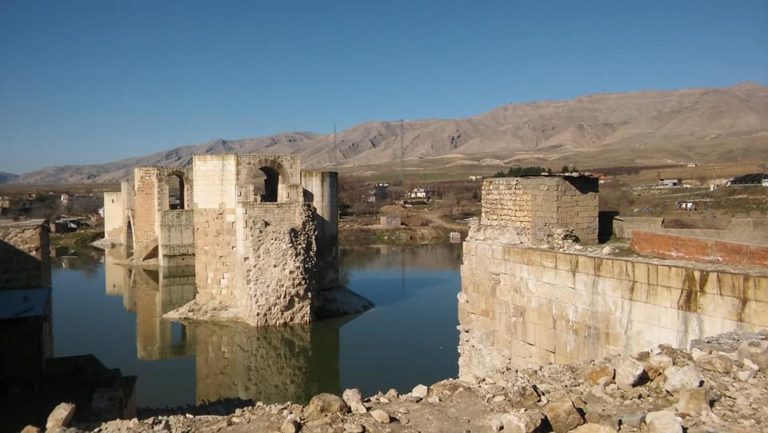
x: 95, y: 81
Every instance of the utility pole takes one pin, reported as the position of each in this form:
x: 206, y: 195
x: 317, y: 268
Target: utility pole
x: 402, y: 153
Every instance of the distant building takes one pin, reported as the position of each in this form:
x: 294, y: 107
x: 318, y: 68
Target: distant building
x: 475, y: 178
x: 423, y: 193
x: 670, y: 183
x: 752, y: 179
x: 379, y: 193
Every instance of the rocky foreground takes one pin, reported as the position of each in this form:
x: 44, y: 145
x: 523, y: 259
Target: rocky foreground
x: 720, y: 385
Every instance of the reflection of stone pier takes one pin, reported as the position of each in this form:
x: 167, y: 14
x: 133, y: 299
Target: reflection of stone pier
x: 233, y: 359
x: 269, y: 364
x: 151, y: 293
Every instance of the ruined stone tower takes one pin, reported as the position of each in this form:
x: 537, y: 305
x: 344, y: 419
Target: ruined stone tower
x: 262, y: 234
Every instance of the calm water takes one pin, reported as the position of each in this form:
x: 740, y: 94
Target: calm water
x: 410, y: 336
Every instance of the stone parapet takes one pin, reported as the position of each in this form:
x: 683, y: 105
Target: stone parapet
x: 698, y: 249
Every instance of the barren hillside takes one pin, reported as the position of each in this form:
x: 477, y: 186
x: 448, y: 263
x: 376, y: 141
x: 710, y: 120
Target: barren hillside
x: 702, y: 125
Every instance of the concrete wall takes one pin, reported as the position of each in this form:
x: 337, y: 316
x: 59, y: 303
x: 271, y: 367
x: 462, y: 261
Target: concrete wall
x: 524, y: 306
x: 24, y: 255
x: 535, y: 207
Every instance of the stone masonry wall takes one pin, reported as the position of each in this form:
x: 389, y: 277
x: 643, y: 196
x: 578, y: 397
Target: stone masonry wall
x: 177, y: 247
x: 530, y: 209
x: 24, y: 255
x: 215, y: 253
x: 525, y: 306
x: 114, y: 212
x: 145, y: 219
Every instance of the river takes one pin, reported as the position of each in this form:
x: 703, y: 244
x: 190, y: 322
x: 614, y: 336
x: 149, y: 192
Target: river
x: 409, y: 337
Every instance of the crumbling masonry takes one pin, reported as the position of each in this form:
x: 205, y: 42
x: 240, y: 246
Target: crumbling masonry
x: 529, y: 298
x: 261, y: 233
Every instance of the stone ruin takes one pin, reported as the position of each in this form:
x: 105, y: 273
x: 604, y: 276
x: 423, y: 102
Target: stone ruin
x: 530, y: 296
x: 261, y: 233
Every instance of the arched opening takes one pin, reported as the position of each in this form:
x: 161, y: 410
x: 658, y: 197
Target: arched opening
x: 129, y: 239
x: 175, y: 192
x: 271, y: 182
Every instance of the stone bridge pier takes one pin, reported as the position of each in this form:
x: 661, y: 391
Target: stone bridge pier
x: 262, y: 235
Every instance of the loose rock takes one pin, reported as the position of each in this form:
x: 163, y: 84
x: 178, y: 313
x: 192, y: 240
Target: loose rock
x: 663, y: 421
x: 629, y: 372
x: 290, y: 426
x: 353, y: 428
x: 325, y: 404
x: 593, y: 428
x: 599, y: 374
x: 60, y: 416
x: 420, y: 391
x: 715, y: 362
x: 682, y: 378
x: 380, y: 416
x: 562, y: 415
x: 755, y: 351
x: 693, y: 401
x: 354, y: 399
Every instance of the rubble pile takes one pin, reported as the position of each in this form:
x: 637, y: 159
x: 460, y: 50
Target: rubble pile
x: 718, y: 385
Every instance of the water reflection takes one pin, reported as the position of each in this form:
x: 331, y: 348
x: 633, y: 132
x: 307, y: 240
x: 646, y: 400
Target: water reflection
x: 269, y: 364
x: 408, y: 338
x: 232, y: 360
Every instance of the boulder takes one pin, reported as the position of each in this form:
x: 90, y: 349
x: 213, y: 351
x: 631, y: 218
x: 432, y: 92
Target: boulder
x: 354, y: 400
x: 290, y: 426
x: 715, y: 362
x: 563, y: 415
x: 682, y: 378
x: 420, y: 391
x: 692, y: 401
x: 755, y: 351
x: 602, y: 374
x: 60, y: 416
x: 656, y: 365
x: 629, y: 372
x: 663, y: 421
x: 325, y: 404
x: 31, y: 429
x: 353, y: 428
x: 593, y: 428
x: 521, y: 422
x: 380, y: 416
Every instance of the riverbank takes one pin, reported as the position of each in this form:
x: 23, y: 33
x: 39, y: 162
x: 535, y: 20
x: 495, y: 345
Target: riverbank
x: 718, y: 385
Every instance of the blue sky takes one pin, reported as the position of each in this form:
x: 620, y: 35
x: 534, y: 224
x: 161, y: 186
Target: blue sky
x: 94, y: 81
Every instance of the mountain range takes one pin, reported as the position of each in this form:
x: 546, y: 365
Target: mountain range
x: 637, y: 128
